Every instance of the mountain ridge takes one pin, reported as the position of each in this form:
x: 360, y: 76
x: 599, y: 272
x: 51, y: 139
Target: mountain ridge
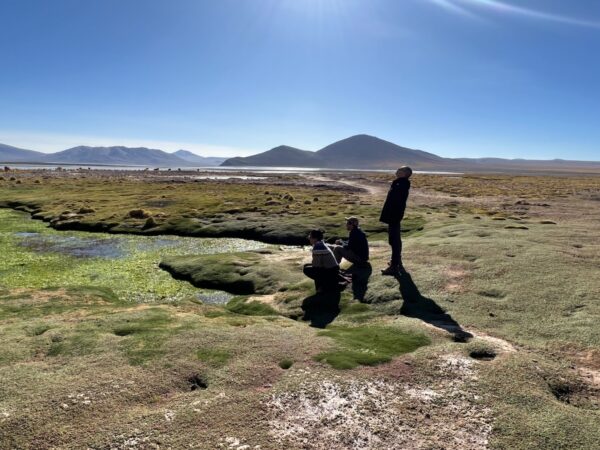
x: 361, y: 151
x: 116, y: 155
x: 367, y: 152
x: 113, y: 155
x: 9, y: 153
x: 197, y: 159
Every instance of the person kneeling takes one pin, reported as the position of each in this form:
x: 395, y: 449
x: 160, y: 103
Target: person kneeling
x: 324, y: 268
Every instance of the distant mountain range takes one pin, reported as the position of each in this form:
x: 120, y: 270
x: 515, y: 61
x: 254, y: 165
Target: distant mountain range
x: 199, y: 160
x: 117, y: 155
x: 356, y: 152
x: 9, y: 153
x: 368, y: 152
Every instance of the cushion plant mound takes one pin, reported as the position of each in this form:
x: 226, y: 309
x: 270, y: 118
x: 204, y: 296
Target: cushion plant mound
x: 241, y: 273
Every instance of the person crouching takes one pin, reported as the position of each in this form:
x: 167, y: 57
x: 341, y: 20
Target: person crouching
x: 324, y: 268
x: 356, y: 248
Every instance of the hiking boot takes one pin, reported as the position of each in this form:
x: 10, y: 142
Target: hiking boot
x: 391, y: 270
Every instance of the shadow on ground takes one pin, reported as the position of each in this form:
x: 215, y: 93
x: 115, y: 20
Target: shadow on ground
x: 360, y: 274
x: 423, y: 308
x: 321, y: 308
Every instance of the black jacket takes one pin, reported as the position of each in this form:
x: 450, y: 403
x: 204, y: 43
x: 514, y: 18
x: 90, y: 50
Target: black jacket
x: 395, y: 203
x: 357, y: 242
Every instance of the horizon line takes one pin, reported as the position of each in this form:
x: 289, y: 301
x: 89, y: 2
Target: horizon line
x: 214, y: 147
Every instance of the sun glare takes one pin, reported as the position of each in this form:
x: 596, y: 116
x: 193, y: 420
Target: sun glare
x: 472, y: 7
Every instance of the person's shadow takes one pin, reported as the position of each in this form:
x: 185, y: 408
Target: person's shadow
x: 321, y: 308
x: 360, y: 279
x: 427, y: 310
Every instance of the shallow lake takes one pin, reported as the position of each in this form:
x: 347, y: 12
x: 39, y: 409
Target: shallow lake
x: 36, y: 256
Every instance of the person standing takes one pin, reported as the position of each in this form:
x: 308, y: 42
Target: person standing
x: 392, y: 214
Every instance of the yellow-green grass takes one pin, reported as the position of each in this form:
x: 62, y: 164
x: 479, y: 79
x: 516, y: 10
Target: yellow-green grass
x: 98, y: 370
x: 530, y: 297
x: 502, y: 185
x: 269, y: 213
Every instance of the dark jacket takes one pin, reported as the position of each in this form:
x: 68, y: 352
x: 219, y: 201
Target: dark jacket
x: 357, y: 242
x: 395, y: 203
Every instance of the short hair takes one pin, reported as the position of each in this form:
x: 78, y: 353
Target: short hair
x: 406, y: 170
x: 352, y: 220
x: 316, y: 234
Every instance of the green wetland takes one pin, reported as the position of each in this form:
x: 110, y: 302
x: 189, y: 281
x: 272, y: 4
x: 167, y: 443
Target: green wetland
x: 133, y: 315
x: 37, y: 256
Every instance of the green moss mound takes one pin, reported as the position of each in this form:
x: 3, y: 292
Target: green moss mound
x: 241, y: 273
x: 368, y: 346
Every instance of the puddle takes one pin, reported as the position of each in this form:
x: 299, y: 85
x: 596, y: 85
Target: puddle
x: 214, y: 297
x: 228, y: 177
x: 25, y: 234
x: 76, y: 246
x: 101, y: 245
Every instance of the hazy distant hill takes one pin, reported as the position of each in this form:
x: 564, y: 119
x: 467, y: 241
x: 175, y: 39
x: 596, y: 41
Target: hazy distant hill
x: 9, y: 153
x: 368, y: 152
x: 199, y: 160
x: 115, y: 156
x: 357, y: 152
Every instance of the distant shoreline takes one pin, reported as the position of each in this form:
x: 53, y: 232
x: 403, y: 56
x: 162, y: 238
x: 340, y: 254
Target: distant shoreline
x: 540, y: 171
x: 257, y: 169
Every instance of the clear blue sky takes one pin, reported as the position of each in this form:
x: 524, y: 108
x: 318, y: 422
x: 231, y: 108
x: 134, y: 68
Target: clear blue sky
x: 517, y: 78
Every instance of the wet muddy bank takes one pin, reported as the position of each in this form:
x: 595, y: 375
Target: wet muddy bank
x: 286, y: 228
x: 236, y: 227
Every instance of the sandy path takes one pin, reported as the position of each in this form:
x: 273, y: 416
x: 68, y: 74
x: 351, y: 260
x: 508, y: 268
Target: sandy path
x: 371, y: 189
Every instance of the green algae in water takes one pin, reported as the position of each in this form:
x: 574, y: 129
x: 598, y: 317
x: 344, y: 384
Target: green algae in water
x: 126, y: 264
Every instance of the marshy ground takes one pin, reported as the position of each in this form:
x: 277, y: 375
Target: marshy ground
x: 492, y: 341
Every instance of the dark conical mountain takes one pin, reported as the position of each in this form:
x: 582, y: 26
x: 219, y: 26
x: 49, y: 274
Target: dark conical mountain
x: 356, y: 152
x: 9, y: 153
x: 282, y: 156
x: 369, y: 152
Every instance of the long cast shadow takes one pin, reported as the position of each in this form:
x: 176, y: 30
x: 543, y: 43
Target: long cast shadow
x: 423, y: 308
x: 321, y: 308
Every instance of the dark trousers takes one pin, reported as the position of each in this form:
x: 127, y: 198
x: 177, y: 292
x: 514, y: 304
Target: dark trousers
x: 325, y: 279
x: 395, y: 241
